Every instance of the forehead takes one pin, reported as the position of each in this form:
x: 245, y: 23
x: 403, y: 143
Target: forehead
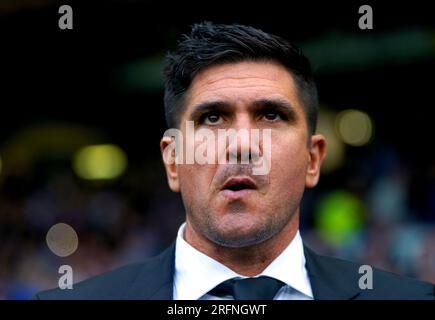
x: 241, y: 83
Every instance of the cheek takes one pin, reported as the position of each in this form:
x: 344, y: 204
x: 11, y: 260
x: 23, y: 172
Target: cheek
x: 289, y: 163
x: 194, y: 179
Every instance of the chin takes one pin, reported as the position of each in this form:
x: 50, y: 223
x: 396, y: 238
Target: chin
x: 241, y: 231
x: 237, y: 241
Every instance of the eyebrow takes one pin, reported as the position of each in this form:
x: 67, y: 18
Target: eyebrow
x: 276, y: 105
x: 257, y: 105
x: 204, y: 107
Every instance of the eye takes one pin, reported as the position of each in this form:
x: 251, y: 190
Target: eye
x: 212, y: 118
x: 272, y: 116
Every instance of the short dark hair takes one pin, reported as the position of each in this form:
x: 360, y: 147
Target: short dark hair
x: 211, y: 44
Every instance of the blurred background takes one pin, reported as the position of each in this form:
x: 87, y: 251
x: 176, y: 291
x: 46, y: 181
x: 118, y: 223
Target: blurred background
x: 82, y: 115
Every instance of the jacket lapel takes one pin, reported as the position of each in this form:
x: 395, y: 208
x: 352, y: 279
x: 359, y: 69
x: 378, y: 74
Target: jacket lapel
x: 331, y: 279
x: 155, y: 281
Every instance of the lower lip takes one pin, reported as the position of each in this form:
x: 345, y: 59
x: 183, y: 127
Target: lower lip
x: 234, y: 195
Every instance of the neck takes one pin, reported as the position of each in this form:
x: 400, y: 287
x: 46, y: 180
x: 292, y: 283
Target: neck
x: 247, y: 261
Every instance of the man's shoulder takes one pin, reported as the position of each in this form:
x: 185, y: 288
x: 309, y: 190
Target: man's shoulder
x: 368, y: 282
x: 142, y: 280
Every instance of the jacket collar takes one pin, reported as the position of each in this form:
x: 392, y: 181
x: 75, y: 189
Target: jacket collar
x: 155, y: 281
x: 331, y: 278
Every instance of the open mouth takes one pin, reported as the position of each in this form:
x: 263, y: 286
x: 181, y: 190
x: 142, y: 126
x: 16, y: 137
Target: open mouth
x: 238, y: 187
x: 239, y: 184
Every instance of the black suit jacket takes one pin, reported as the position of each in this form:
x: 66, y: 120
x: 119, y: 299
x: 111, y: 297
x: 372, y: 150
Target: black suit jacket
x: 331, y: 279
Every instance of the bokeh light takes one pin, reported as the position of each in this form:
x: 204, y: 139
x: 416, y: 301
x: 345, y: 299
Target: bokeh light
x: 354, y: 127
x: 100, y: 162
x: 62, y: 239
x: 335, y: 154
x: 338, y: 216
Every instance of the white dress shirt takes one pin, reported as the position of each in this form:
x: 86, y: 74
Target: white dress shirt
x: 196, y: 273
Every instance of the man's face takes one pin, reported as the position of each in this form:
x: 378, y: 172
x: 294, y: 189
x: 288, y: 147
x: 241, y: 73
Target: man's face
x: 225, y: 203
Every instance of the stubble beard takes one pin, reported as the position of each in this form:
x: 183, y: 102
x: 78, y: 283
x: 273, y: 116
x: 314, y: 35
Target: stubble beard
x: 209, y: 226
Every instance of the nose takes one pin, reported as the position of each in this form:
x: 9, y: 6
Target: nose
x: 243, y: 141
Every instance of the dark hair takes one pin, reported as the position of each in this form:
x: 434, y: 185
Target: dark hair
x: 211, y: 44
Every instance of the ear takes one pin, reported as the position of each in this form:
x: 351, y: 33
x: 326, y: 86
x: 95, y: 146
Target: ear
x: 167, y: 148
x: 317, y: 153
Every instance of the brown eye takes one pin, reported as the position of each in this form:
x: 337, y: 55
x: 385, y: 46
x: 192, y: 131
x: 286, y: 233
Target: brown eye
x: 212, y: 119
x: 271, y: 116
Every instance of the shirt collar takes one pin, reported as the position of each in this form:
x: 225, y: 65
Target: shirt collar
x: 289, y: 267
x: 196, y: 273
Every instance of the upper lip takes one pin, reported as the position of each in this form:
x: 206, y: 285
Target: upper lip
x: 239, y: 182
